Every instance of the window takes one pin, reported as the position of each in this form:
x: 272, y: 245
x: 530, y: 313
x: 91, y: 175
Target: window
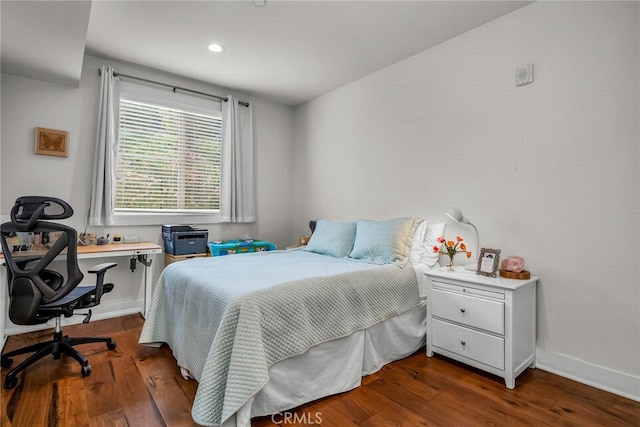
x: 168, y: 159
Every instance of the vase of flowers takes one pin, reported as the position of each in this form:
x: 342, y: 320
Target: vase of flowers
x: 451, y: 248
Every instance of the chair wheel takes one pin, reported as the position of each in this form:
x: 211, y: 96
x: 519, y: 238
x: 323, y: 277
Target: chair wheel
x: 6, y: 362
x: 10, y: 382
x: 111, y: 345
x: 86, y: 370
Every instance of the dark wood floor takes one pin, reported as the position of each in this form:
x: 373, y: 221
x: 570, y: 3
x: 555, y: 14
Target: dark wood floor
x: 139, y: 386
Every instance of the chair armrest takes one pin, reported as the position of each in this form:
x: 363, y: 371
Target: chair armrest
x: 101, y: 268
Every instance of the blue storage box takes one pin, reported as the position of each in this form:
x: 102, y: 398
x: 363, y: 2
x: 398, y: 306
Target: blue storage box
x: 239, y: 247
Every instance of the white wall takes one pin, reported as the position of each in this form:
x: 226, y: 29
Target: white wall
x: 548, y: 171
x: 28, y: 103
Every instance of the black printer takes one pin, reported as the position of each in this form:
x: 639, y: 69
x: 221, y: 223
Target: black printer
x: 184, y: 240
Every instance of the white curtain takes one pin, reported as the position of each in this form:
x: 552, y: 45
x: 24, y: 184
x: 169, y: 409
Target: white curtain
x: 237, y: 181
x: 104, y: 160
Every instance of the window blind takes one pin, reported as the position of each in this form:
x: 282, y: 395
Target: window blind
x: 168, y: 160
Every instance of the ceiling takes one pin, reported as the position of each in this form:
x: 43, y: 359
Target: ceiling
x: 286, y: 51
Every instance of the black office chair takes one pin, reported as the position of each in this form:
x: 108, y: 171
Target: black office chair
x: 36, y: 294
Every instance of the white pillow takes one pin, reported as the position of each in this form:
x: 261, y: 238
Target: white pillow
x: 417, y: 243
x: 424, y: 239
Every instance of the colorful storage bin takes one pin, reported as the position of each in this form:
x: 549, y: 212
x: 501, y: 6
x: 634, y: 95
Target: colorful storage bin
x: 239, y: 247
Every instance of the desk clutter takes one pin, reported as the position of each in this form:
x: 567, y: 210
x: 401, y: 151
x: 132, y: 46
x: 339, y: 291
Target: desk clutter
x: 89, y: 239
x: 86, y: 239
x: 40, y: 241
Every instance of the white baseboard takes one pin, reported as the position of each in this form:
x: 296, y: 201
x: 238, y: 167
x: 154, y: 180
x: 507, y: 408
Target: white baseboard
x: 600, y: 377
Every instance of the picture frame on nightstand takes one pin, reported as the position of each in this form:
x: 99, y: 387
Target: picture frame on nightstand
x: 488, y: 262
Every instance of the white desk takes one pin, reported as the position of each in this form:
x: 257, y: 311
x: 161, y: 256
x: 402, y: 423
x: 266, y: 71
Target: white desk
x: 138, y: 252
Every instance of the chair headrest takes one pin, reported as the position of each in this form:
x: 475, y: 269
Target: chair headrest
x: 27, y: 210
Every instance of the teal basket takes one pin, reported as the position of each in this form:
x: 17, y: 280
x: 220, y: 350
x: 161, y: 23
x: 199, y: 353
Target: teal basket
x: 239, y: 247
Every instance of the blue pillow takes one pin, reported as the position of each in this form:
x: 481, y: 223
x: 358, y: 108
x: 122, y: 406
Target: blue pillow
x: 384, y: 242
x: 333, y: 238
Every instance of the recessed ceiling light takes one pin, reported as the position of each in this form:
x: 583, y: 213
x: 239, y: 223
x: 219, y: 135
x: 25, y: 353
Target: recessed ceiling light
x: 215, y: 47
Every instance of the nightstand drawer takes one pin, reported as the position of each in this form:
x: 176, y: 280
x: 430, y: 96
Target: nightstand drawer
x: 467, y: 310
x: 475, y: 345
x: 468, y: 290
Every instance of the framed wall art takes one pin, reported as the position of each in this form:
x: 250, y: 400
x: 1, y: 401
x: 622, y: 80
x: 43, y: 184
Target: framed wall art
x: 52, y: 142
x: 488, y: 262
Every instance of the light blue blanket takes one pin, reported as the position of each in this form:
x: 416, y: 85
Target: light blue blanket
x: 228, y: 319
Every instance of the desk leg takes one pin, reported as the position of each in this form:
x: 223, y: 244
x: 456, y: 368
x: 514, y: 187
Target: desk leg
x: 148, y: 285
x: 148, y: 277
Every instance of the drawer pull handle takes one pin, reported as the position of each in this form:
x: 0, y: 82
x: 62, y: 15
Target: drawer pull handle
x: 463, y: 342
x: 462, y: 310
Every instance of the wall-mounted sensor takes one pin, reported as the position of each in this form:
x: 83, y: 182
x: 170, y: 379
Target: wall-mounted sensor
x: 524, y: 75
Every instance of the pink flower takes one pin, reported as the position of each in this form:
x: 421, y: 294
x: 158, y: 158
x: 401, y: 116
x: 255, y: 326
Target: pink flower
x: 441, y: 239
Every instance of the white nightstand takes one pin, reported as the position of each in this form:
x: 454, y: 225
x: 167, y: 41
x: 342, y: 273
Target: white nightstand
x: 488, y: 323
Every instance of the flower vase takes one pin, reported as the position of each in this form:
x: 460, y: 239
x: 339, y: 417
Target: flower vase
x: 451, y: 266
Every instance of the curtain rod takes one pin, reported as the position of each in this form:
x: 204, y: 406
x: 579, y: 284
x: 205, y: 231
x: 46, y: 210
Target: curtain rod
x: 174, y: 88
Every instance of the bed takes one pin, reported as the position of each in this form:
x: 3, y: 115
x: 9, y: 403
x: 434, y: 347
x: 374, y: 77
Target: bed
x: 268, y: 331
